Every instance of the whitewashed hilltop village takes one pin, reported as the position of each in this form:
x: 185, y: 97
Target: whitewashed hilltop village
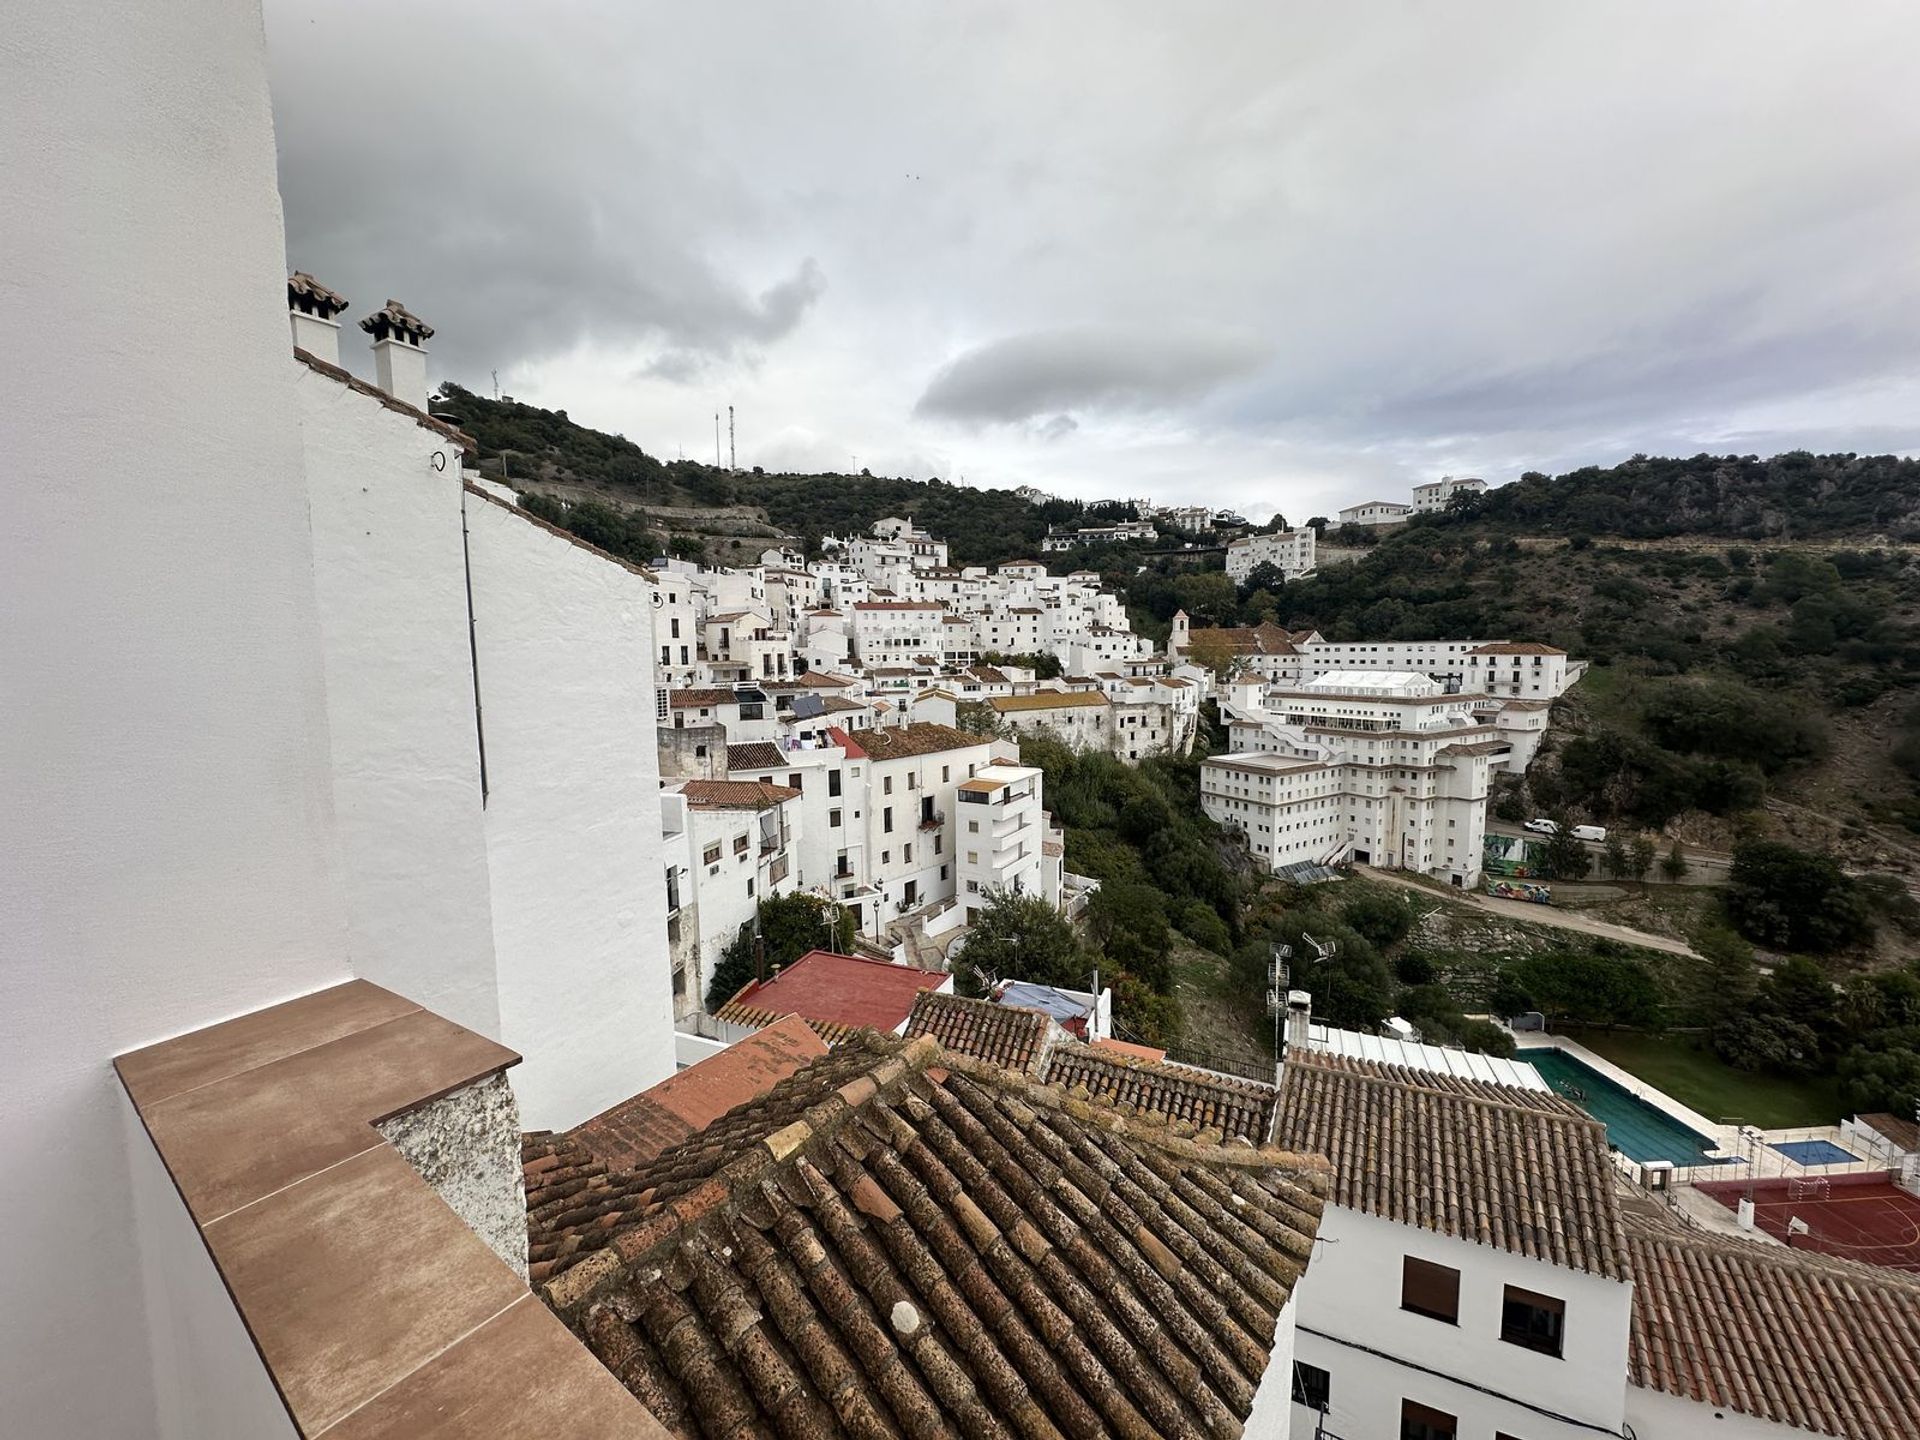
x: 371, y: 844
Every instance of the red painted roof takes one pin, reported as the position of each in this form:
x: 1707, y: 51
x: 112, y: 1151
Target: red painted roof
x: 845, y: 742
x: 843, y: 990
x: 639, y: 1128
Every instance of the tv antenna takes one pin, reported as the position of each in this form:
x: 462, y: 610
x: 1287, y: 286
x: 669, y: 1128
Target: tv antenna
x: 1278, y: 980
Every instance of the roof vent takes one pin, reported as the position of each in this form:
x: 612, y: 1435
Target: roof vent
x: 311, y: 307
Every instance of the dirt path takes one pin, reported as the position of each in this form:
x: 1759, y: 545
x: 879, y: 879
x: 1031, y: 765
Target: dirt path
x: 1537, y: 914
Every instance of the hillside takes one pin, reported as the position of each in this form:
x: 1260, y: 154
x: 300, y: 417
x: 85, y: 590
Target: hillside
x: 1737, y: 682
x: 729, y: 517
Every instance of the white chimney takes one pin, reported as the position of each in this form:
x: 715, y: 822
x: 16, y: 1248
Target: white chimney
x: 1299, y: 1017
x: 311, y: 307
x: 399, y: 353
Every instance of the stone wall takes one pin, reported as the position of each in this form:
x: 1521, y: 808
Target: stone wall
x: 467, y: 1146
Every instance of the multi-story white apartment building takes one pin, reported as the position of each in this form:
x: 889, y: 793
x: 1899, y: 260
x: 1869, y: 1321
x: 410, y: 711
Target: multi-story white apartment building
x: 1436, y: 494
x: 1374, y: 766
x: 739, y: 840
x: 1494, y: 1303
x: 1520, y: 670
x: 1000, y: 834
x: 1500, y: 668
x: 897, y: 632
x: 1289, y: 551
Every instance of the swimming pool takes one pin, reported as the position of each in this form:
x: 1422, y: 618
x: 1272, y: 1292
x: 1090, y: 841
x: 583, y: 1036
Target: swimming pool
x: 1635, y: 1128
x: 1812, y: 1152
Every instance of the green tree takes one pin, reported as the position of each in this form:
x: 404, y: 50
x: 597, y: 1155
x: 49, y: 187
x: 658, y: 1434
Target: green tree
x: 1640, y: 856
x: 1383, y: 917
x: 1616, y: 860
x: 1591, y: 986
x: 1673, y: 864
x: 790, y: 926
x: 976, y: 717
x: 1017, y: 936
x: 1791, y: 899
x: 1565, y: 855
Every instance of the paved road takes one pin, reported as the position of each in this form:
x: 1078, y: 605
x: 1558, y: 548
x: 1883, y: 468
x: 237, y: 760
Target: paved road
x: 1704, y: 867
x: 1536, y: 914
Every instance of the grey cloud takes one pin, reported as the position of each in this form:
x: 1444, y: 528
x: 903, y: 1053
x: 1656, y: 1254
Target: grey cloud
x: 1271, y: 258
x: 1099, y: 367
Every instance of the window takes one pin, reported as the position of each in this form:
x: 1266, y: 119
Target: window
x: 946, y: 773
x: 1311, y: 1386
x: 740, y: 844
x: 1423, y: 1422
x: 886, y: 857
x: 712, y: 856
x: 1533, y: 1320
x: 749, y: 885
x: 1430, y: 1290
x: 833, y: 782
x: 937, y: 839
x: 676, y: 627
x: 833, y: 818
x: 886, y: 820
x: 906, y: 853
x: 973, y: 827
x: 886, y: 786
x: 793, y: 780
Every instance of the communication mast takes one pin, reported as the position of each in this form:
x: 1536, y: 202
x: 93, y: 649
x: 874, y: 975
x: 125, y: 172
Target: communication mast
x: 716, y: 439
x: 733, y: 456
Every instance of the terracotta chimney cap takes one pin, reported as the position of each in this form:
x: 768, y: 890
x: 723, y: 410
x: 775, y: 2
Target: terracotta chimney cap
x: 394, y: 320
x: 308, y: 295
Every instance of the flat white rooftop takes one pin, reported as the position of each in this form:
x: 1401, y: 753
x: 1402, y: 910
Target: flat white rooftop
x: 1464, y: 1064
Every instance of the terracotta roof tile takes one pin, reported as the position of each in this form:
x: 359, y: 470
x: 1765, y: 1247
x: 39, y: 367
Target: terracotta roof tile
x: 702, y: 699
x: 1515, y: 647
x: 1048, y: 700
x: 1825, y: 1345
x: 755, y: 755
x: 1231, y: 1108
x: 1518, y: 1169
x: 735, y: 794
x: 1009, y: 1035
x: 922, y: 739
x: 898, y: 1241
x: 832, y: 1033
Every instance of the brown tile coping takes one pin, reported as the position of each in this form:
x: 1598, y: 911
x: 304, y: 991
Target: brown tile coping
x: 376, y: 1311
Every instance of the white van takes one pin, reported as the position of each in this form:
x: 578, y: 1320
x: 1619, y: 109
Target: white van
x: 1590, y: 832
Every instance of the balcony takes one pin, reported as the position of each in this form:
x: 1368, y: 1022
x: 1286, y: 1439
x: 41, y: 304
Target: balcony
x: 932, y: 819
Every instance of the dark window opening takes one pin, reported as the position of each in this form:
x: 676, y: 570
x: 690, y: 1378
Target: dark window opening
x: 1423, y: 1422
x: 1430, y: 1290
x: 1312, y: 1386
x: 1533, y: 1320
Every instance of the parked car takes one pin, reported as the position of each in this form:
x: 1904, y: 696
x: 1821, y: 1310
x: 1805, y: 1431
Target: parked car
x: 1540, y: 827
x: 1590, y: 832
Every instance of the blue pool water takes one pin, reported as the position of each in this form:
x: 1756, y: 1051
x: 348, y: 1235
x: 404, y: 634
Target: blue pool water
x: 1812, y: 1152
x: 1634, y: 1128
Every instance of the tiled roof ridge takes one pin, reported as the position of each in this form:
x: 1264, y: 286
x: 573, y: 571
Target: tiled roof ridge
x: 1405, y: 1077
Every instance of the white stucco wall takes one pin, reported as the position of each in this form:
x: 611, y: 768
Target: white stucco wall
x: 165, y: 806
x: 209, y: 1380
x: 1656, y: 1415
x: 1352, y: 1293
x: 576, y: 859
x: 1272, y: 1414
x: 390, y: 574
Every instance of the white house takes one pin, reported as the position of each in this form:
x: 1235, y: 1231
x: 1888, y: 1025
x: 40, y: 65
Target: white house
x: 999, y: 833
x: 1495, y: 1303
x: 1437, y: 494
x: 1375, y: 512
x: 1380, y: 767
x: 741, y: 838
x: 1289, y: 551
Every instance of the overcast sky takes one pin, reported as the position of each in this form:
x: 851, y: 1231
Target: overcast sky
x: 1277, y: 256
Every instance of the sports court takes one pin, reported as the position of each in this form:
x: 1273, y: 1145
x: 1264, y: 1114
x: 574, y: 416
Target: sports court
x: 1856, y: 1217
